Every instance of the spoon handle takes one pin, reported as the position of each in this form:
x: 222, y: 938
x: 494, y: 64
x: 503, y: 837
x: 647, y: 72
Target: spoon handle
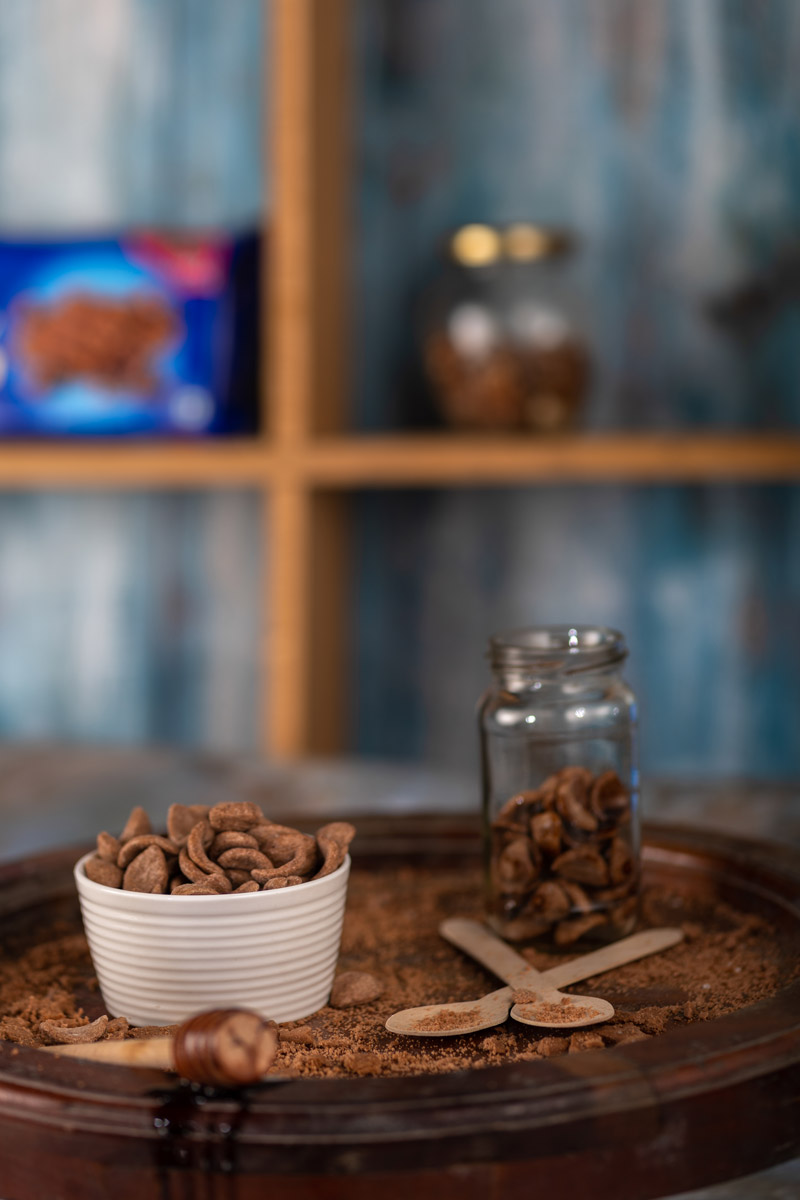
x: 495, y: 954
x: 492, y: 952
x: 231, y: 1047
x: 615, y: 954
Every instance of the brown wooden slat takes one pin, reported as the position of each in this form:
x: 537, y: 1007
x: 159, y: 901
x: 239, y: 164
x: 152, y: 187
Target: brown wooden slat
x: 447, y: 460
x: 328, y: 687
x: 290, y: 378
x: 135, y: 464
x: 289, y: 599
x: 408, y: 460
x: 307, y: 379
x: 309, y: 219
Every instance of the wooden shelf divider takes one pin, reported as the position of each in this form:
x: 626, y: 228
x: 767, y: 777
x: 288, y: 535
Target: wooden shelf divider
x: 305, y: 332
x: 451, y: 460
x: 407, y: 460
x: 135, y: 464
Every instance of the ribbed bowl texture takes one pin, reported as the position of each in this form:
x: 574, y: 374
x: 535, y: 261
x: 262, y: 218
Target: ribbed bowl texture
x: 161, y: 959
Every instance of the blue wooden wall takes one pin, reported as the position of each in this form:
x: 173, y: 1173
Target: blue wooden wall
x: 127, y: 617
x: 118, y: 112
x: 130, y: 618
x: 666, y: 134
x: 705, y: 582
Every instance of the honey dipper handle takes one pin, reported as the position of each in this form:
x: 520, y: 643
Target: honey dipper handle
x: 493, y: 953
x: 148, y: 1052
x: 230, y: 1047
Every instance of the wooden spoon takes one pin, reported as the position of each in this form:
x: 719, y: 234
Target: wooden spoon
x: 461, y: 1016
x: 547, y: 1005
x: 468, y: 1016
x: 230, y: 1047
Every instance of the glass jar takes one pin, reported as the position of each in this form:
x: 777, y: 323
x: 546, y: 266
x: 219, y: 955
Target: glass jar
x: 560, y: 786
x: 502, y: 346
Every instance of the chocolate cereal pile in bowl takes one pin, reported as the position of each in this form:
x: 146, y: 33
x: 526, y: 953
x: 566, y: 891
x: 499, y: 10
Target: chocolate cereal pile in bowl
x: 226, y: 908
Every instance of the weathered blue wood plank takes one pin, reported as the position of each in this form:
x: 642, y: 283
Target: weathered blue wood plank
x: 666, y: 134
x: 130, y: 618
x: 704, y: 581
x: 115, y: 112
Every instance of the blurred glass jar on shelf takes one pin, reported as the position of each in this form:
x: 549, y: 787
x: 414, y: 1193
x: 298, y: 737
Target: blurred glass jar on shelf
x: 502, y: 347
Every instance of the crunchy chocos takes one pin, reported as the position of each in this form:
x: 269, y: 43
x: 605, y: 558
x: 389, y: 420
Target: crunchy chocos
x: 230, y: 848
x: 561, y: 862
x: 83, y: 336
x: 510, y: 387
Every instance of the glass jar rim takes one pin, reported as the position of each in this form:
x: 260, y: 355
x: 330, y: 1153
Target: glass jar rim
x: 557, y: 649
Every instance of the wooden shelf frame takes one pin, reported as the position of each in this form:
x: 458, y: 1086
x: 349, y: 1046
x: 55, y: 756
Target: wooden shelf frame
x: 133, y: 464
x: 305, y: 465
x: 407, y: 460
x: 306, y: 334
x: 447, y: 460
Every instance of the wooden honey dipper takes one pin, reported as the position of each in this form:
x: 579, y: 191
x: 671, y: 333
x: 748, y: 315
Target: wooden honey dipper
x: 230, y: 1047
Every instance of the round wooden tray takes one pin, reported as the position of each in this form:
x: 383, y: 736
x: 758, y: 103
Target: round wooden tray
x: 699, y: 1104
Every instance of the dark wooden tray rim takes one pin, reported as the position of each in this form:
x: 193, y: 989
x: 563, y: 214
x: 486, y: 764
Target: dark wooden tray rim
x: 706, y: 1102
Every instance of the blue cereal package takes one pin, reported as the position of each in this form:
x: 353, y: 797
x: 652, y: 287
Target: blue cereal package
x: 144, y: 334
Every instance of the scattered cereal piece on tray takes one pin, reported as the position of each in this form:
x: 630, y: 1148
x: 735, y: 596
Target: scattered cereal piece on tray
x: 70, y: 1035
x: 355, y: 987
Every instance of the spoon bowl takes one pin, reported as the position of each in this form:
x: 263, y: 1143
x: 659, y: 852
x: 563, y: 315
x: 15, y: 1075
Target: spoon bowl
x: 462, y: 1016
x: 552, y: 1009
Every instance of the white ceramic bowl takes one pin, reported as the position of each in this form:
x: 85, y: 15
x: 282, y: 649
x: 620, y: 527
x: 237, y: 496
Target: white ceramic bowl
x: 160, y: 959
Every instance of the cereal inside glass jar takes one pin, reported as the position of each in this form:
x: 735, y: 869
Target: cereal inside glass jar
x: 503, y: 344
x: 560, y: 787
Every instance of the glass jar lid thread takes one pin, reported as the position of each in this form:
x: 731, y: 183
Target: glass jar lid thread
x: 557, y: 649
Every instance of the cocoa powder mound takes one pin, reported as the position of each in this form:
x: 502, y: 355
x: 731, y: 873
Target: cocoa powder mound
x: 727, y: 960
x: 448, y: 1018
x: 549, y: 1013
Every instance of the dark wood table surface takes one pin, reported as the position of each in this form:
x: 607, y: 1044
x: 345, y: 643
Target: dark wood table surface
x: 53, y: 796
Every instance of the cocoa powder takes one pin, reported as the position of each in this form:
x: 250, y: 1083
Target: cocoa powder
x: 447, y: 1018
x: 554, y: 1013
x: 729, y: 959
